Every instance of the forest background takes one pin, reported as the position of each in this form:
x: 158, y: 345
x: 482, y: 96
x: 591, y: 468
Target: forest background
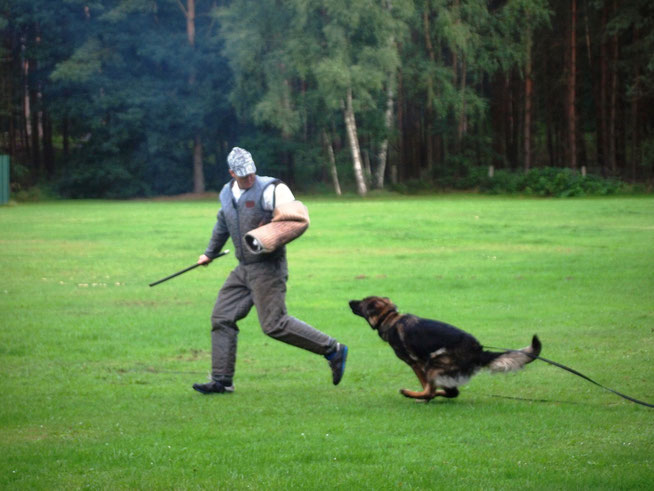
x: 125, y: 98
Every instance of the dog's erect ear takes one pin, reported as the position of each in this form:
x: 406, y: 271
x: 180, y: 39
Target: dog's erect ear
x: 367, y: 308
x: 390, y: 303
x: 372, y: 305
x: 382, y: 305
x: 374, y: 309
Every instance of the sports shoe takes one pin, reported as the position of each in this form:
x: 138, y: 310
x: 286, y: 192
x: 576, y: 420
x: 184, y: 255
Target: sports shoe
x: 336, y: 361
x: 214, y: 387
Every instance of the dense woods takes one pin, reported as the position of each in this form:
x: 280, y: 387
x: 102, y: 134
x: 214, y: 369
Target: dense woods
x: 120, y: 98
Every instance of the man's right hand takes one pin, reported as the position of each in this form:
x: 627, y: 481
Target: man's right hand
x: 204, y: 259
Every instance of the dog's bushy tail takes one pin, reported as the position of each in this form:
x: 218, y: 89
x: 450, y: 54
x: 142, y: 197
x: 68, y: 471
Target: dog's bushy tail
x: 513, y: 360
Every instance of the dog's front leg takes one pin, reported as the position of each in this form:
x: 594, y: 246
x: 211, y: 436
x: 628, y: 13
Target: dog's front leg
x: 420, y: 373
x: 428, y: 392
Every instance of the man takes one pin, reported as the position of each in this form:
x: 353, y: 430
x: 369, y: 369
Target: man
x: 249, y: 203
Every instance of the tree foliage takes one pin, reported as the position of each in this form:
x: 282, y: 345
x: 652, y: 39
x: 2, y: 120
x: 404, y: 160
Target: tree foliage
x: 121, y: 98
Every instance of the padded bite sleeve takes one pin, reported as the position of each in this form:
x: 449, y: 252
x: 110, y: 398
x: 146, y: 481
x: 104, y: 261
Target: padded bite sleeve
x: 289, y: 221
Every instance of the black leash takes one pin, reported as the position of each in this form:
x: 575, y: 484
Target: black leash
x: 575, y: 372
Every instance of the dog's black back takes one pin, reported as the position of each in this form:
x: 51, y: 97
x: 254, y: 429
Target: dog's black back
x: 425, y: 336
x: 437, y: 344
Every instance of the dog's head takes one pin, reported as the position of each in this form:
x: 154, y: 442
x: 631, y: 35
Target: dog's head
x: 373, y: 309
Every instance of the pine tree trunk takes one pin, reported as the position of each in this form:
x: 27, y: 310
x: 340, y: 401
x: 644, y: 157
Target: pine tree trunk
x: 497, y: 121
x: 613, y: 107
x: 462, y: 127
x: 41, y: 132
x: 571, y: 87
x: 37, y: 163
x: 528, y: 100
x: 455, y: 83
x: 190, y: 22
x: 198, y: 171
x: 27, y: 108
x: 395, y: 170
x: 198, y: 167
x: 65, y: 136
x: 429, y: 110
x: 549, y: 123
x: 635, y: 110
x: 351, y: 127
x: 511, y: 143
x: 603, y: 127
x: 594, y: 71
x: 48, y: 147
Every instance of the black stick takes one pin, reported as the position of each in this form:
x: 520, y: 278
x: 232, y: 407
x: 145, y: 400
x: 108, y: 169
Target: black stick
x: 185, y: 270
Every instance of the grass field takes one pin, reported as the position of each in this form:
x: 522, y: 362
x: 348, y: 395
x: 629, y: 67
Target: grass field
x: 97, y: 367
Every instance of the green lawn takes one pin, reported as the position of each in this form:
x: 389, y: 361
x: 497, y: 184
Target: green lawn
x: 97, y: 367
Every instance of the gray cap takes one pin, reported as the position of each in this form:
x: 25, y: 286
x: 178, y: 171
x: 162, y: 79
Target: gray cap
x: 240, y: 161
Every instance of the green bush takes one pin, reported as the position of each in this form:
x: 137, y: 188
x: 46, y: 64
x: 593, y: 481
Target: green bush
x: 544, y: 181
x: 548, y: 181
x: 107, y: 179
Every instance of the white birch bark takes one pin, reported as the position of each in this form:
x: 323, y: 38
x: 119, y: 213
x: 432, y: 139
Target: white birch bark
x: 388, y: 119
x: 332, y: 163
x: 351, y: 127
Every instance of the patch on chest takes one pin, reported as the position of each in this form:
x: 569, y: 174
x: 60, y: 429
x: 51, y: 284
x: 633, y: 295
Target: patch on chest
x: 454, y: 380
x: 249, y: 204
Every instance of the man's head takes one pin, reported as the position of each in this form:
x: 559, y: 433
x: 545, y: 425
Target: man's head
x: 241, y: 167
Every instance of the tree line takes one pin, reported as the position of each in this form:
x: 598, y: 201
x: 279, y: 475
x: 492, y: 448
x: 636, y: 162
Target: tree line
x: 119, y: 98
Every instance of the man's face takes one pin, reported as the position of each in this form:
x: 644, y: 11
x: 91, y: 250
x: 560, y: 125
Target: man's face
x: 243, y: 182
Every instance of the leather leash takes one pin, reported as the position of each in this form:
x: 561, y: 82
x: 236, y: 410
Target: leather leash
x: 574, y: 372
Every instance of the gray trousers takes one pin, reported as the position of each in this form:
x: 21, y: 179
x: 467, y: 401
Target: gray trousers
x: 264, y: 286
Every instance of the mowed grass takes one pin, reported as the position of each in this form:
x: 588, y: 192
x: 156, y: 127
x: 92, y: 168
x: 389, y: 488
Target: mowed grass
x: 97, y: 367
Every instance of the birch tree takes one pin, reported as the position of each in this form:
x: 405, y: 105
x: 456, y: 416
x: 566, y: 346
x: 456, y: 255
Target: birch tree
x: 359, y: 55
x: 297, y: 65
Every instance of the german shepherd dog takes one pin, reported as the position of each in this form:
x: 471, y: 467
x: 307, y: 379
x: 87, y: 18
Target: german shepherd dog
x: 442, y: 356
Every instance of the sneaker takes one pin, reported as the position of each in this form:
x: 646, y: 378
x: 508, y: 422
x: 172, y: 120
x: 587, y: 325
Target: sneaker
x: 214, y: 388
x: 336, y: 361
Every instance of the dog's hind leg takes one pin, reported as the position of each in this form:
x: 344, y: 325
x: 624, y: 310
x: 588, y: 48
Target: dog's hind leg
x: 449, y: 392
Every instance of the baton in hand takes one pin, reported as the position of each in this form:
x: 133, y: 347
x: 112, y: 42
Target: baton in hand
x: 187, y: 269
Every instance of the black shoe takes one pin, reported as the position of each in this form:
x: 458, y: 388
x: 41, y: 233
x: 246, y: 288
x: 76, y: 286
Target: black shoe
x: 214, y: 388
x: 336, y: 361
